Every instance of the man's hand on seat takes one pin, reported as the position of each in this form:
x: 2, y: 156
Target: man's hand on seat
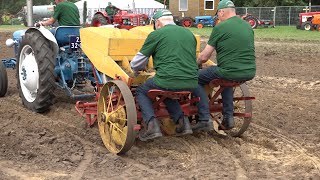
x: 38, y: 24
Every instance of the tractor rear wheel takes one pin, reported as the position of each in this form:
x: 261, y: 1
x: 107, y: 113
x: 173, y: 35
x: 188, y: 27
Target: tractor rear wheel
x: 117, y: 117
x: 99, y: 20
x: 318, y: 27
x: 35, y: 72
x: 187, y: 22
x: 3, y: 80
x: 252, y: 21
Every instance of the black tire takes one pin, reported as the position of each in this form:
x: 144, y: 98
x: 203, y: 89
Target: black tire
x: 306, y: 26
x: 35, y: 44
x: 3, y: 80
x: 187, y: 22
x: 318, y: 27
x: 99, y: 20
x: 252, y: 21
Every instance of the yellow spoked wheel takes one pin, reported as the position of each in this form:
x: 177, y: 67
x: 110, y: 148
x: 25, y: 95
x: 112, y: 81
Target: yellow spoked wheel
x: 117, y: 117
x: 242, y: 108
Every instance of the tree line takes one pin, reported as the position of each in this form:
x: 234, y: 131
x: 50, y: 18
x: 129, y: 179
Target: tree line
x: 13, y: 7
x: 264, y: 3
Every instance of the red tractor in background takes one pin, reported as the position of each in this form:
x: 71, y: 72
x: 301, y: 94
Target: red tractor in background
x: 304, y: 22
x: 122, y: 19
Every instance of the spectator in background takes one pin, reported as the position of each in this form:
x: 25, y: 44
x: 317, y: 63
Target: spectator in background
x: 65, y: 12
x: 111, y: 10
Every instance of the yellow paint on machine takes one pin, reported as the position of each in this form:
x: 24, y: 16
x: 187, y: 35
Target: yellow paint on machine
x: 111, y: 49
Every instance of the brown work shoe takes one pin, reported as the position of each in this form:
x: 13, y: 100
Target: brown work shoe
x: 151, y: 131
x: 204, y: 126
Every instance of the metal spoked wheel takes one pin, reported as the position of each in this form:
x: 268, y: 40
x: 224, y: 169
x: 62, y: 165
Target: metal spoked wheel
x: 117, y: 117
x: 242, y: 110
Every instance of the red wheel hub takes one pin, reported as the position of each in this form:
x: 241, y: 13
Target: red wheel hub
x: 187, y: 23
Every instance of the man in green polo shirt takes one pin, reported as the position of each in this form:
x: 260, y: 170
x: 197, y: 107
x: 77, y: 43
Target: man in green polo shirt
x: 65, y: 12
x: 173, y: 49
x: 233, y: 41
x: 111, y: 10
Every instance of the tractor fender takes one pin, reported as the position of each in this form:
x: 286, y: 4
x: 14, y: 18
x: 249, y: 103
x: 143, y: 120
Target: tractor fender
x: 48, y: 35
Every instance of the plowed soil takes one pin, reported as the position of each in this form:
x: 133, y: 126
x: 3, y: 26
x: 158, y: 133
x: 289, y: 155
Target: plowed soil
x: 282, y: 142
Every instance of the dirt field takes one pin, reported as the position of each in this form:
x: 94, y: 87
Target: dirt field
x: 283, y: 142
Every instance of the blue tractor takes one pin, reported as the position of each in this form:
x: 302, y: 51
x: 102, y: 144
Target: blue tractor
x: 46, y: 60
x: 201, y: 21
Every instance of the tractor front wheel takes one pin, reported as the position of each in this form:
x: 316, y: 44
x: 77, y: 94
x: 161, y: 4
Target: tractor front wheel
x: 117, y: 117
x: 35, y: 72
x: 200, y: 25
x: 3, y: 80
x: 306, y: 26
x: 99, y: 20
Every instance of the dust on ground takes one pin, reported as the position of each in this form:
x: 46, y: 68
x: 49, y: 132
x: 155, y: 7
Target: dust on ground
x: 282, y: 142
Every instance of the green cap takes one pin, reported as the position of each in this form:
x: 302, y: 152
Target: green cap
x: 160, y: 13
x: 225, y: 4
x: 109, y: 3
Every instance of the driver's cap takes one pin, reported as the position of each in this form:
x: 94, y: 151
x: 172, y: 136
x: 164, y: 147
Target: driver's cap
x: 225, y: 4
x: 160, y: 13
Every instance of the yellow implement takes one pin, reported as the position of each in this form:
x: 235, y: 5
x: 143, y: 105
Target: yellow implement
x: 110, y: 50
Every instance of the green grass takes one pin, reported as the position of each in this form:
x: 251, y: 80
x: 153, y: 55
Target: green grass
x: 11, y: 27
x: 283, y: 33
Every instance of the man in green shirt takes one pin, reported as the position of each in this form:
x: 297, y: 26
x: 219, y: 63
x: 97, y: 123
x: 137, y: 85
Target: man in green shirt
x: 111, y: 10
x: 65, y: 12
x: 233, y: 40
x: 173, y: 49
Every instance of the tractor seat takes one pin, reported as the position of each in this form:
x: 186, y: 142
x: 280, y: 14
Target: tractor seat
x: 158, y: 96
x: 225, y: 83
x: 63, y: 34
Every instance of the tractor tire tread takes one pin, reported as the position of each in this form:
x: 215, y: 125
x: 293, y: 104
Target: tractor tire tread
x: 3, y: 80
x: 45, y: 58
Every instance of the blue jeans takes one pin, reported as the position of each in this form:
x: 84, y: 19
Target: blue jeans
x: 205, y: 76
x: 146, y: 106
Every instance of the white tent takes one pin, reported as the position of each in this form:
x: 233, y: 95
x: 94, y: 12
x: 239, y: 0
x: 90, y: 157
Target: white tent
x: 123, y: 4
x: 141, y: 6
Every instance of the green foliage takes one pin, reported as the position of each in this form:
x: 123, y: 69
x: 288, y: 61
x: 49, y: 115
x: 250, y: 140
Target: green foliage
x: 14, y: 6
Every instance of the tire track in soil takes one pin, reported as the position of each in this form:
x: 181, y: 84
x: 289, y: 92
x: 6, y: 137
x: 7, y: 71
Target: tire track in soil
x: 303, y: 152
x: 240, y: 172
x: 27, y: 175
x: 87, y: 158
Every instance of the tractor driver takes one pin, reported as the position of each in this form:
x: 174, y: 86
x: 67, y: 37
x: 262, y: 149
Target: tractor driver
x: 65, y: 12
x: 111, y: 10
x: 233, y: 40
x: 173, y: 49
